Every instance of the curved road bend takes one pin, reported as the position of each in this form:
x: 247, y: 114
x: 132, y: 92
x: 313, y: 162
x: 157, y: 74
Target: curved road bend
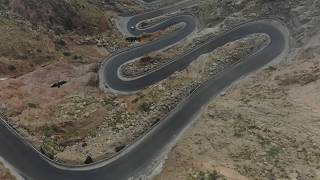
x: 140, y: 155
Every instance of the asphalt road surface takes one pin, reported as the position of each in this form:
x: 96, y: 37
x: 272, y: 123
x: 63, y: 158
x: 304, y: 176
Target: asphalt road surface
x: 143, y: 154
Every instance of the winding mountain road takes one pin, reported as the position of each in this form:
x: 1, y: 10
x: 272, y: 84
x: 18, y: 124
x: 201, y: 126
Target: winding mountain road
x: 145, y: 153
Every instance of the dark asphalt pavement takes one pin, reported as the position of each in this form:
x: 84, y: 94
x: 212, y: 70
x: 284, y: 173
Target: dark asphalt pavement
x: 139, y: 156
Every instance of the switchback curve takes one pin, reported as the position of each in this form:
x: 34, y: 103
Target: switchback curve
x: 140, y: 156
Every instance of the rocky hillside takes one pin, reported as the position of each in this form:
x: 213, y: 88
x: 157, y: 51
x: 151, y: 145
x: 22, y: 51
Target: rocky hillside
x: 43, y: 42
x: 266, y: 126
x: 35, y: 33
x: 256, y: 130
x: 61, y: 15
x: 83, y: 16
x: 301, y: 17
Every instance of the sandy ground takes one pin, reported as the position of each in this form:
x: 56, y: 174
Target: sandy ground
x: 265, y: 127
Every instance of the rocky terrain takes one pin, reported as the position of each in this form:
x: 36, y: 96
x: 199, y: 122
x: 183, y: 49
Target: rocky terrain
x: 265, y: 127
x: 43, y: 43
x: 54, y: 120
x: 38, y: 35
